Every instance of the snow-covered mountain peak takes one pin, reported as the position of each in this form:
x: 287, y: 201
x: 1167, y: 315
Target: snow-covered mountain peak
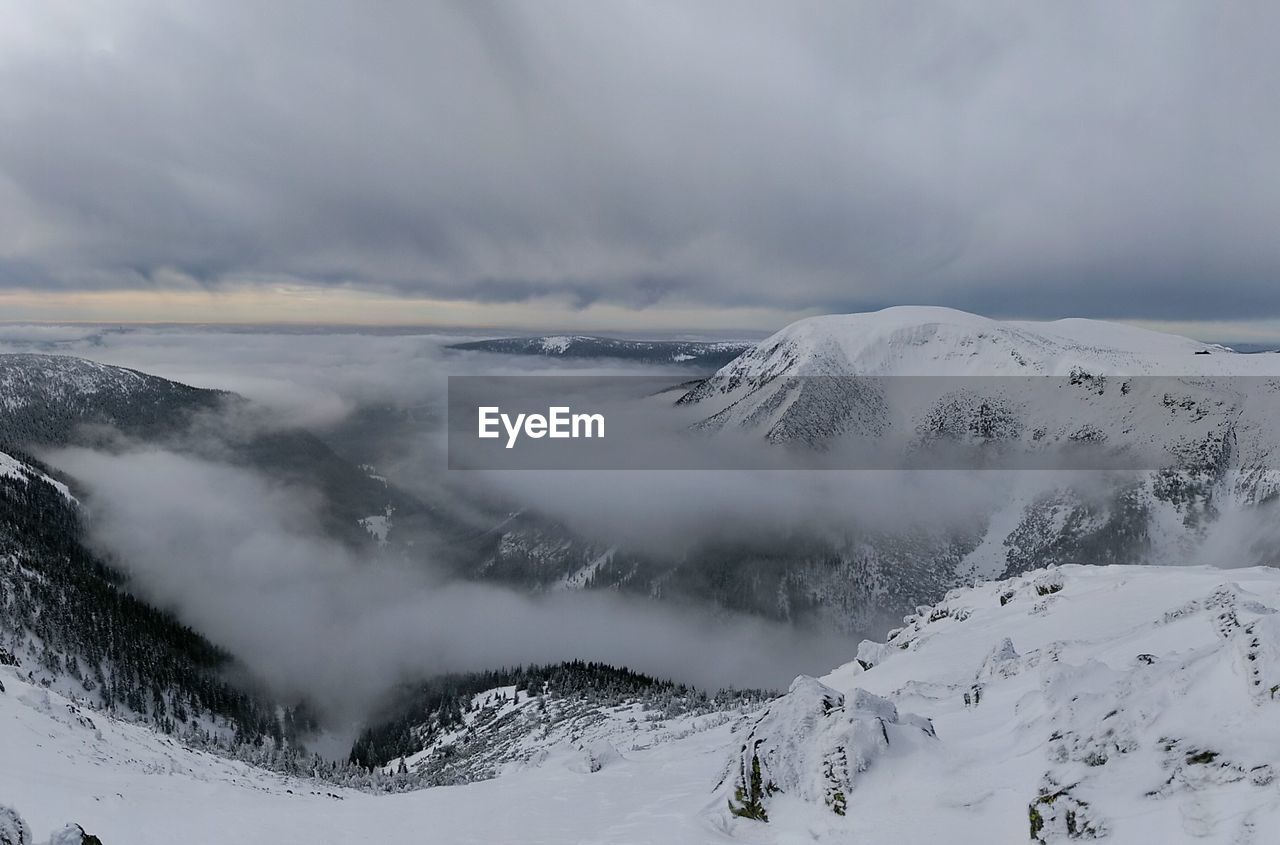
x: 60, y: 375
x: 916, y: 340
x: 912, y: 372
x: 44, y: 398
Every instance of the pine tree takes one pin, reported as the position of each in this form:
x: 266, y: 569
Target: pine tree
x: 750, y: 791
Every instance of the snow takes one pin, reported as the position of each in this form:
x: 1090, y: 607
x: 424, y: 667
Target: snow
x: 1131, y: 400
x: 815, y: 744
x: 126, y: 784
x: 926, y: 341
x: 378, y: 525
x: 13, y: 830
x: 1103, y: 681
x: 1139, y: 702
x: 11, y: 467
x: 558, y: 344
x: 594, y: 756
x: 579, y: 578
x: 917, y: 340
x: 506, y: 730
x: 63, y: 375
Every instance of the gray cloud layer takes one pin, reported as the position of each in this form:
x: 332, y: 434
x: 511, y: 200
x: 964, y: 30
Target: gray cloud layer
x: 1036, y: 159
x: 240, y: 559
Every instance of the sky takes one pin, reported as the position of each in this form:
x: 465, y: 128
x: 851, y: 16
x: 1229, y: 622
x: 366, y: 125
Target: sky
x: 639, y: 165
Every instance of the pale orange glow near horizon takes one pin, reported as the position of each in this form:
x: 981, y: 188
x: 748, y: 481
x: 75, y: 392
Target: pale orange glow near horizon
x: 307, y: 305
x: 299, y: 304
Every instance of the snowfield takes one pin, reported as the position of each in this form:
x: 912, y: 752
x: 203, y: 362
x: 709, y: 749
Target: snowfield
x: 130, y: 786
x: 1134, y: 703
x: 1137, y: 704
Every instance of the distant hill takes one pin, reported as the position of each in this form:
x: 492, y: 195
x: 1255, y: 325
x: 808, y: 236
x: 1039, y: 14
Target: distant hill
x: 1252, y: 348
x: 51, y: 401
x: 682, y: 352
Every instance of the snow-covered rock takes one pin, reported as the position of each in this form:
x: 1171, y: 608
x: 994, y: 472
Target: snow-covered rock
x: 594, y: 756
x: 1001, y: 662
x: 870, y: 653
x: 13, y: 830
x: 815, y: 743
x: 74, y: 834
x: 1132, y: 703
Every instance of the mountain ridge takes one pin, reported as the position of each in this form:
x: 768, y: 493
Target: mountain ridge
x: 585, y: 347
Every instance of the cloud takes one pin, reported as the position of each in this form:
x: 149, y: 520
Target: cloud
x: 303, y: 376
x: 1094, y: 158
x: 241, y: 557
x: 241, y: 560
x: 328, y: 381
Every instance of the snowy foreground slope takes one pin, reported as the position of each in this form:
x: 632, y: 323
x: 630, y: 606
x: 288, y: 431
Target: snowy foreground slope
x: 1135, y: 704
x: 127, y: 785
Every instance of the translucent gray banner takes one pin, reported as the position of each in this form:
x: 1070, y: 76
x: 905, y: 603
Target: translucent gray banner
x: 1077, y: 422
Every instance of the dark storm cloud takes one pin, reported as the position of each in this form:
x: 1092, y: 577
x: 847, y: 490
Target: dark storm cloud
x: 1014, y: 158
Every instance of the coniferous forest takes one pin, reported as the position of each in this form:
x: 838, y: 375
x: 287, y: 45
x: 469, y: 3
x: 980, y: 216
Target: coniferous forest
x: 66, y: 613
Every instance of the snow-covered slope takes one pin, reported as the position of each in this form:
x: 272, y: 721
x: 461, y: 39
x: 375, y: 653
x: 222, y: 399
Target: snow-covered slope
x: 824, y: 376
x: 45, y: 398
x: 51, y: 401
x: 68, y: 624
x: 929, y: 341
x: 130, y: 786
x: 1137, y: 703
x: 11, y: 467
x: 507, y: 729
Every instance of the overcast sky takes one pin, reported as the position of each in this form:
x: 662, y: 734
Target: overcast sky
x: 647, y: 164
